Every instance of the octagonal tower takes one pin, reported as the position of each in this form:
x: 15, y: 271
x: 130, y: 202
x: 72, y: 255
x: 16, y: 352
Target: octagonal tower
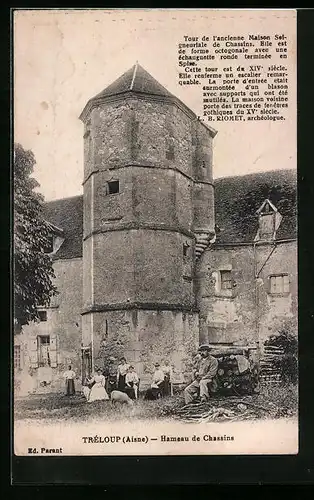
x: 148, y: 213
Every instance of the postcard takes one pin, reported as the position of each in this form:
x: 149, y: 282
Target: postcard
x: 155, y: 232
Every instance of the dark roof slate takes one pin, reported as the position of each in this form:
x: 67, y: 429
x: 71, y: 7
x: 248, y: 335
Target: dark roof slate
x: 67, y: 214
x: 136, y: 79
x: 238, y: 198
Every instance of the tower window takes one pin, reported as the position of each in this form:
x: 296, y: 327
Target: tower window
x: 170, y: 152
x: 113, y: 187
x: 186, y: 247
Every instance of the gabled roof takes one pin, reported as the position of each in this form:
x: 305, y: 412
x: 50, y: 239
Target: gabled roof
x: 237, y: 200
x: 67, y: 214
x: 267, y: 204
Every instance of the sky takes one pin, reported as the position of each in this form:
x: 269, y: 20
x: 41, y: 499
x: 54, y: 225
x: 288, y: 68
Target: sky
x: 62, y: 58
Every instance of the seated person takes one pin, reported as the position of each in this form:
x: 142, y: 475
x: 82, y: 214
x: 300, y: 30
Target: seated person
x: 156, y: 388
x: 167, y: 386
x: 204, y: 372
x: 131, y: 383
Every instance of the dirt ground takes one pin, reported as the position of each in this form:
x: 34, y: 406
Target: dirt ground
x: 272, y: 401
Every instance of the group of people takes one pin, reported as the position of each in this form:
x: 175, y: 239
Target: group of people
x: 125, y: 379
x: 122, y: 378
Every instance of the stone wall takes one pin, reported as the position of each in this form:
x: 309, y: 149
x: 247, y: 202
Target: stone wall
x: 145, y: 337
x: 63, y: 325
x: 139, y: 243
x: 248, y: 311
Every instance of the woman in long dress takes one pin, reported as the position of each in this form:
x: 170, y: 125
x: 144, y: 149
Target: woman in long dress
x: 121, y: 374
x: 69, y: 377
x: 98, y: 391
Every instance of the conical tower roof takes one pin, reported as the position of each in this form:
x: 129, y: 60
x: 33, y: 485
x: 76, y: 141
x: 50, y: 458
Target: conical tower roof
x: 136, y: 79
x: 139, y: 82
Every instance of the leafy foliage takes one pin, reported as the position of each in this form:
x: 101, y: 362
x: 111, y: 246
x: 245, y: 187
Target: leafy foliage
x: 33, y: 272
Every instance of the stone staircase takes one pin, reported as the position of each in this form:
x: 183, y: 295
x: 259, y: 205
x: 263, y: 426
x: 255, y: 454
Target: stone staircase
x: 203, y: 240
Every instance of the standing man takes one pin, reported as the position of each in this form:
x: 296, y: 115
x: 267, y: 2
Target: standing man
x: 204, y: 371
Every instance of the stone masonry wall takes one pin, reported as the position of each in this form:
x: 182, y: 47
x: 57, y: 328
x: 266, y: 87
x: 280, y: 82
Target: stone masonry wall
x: 63, y: 323
x: 145, y: 337
x: 227, y: 319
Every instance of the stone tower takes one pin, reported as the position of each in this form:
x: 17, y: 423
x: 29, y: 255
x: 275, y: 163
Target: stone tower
x: 148, y: 215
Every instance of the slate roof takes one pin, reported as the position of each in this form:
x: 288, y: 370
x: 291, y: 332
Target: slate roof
x: 67, y: 214
x: 136, y: 79
x: 236, y: 201
x: 238, y: 198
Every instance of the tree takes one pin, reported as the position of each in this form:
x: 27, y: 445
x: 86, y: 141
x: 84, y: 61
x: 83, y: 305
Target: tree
x: 33, y: 271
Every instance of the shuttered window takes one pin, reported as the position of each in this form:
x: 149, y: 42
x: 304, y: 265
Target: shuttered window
x: 279, y: 284
x: 225, y: 280
x: 44, y: 350
x: 17, y: 357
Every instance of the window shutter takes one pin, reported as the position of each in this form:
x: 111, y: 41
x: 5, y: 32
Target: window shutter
x: 272, y: 284
x: 216, y: 280
x: 33, y: 352
x: 236, y: 280
x: 53, y: 351
x: 286, y: 284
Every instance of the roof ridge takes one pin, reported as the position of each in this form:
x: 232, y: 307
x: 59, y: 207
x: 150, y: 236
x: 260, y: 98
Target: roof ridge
x: 256, y: 173
x: 134, y: 75
x: 63, y: 199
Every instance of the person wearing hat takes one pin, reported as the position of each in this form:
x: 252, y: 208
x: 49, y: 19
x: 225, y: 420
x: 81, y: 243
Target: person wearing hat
x: 155, y: 390
x: 204, y: 371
